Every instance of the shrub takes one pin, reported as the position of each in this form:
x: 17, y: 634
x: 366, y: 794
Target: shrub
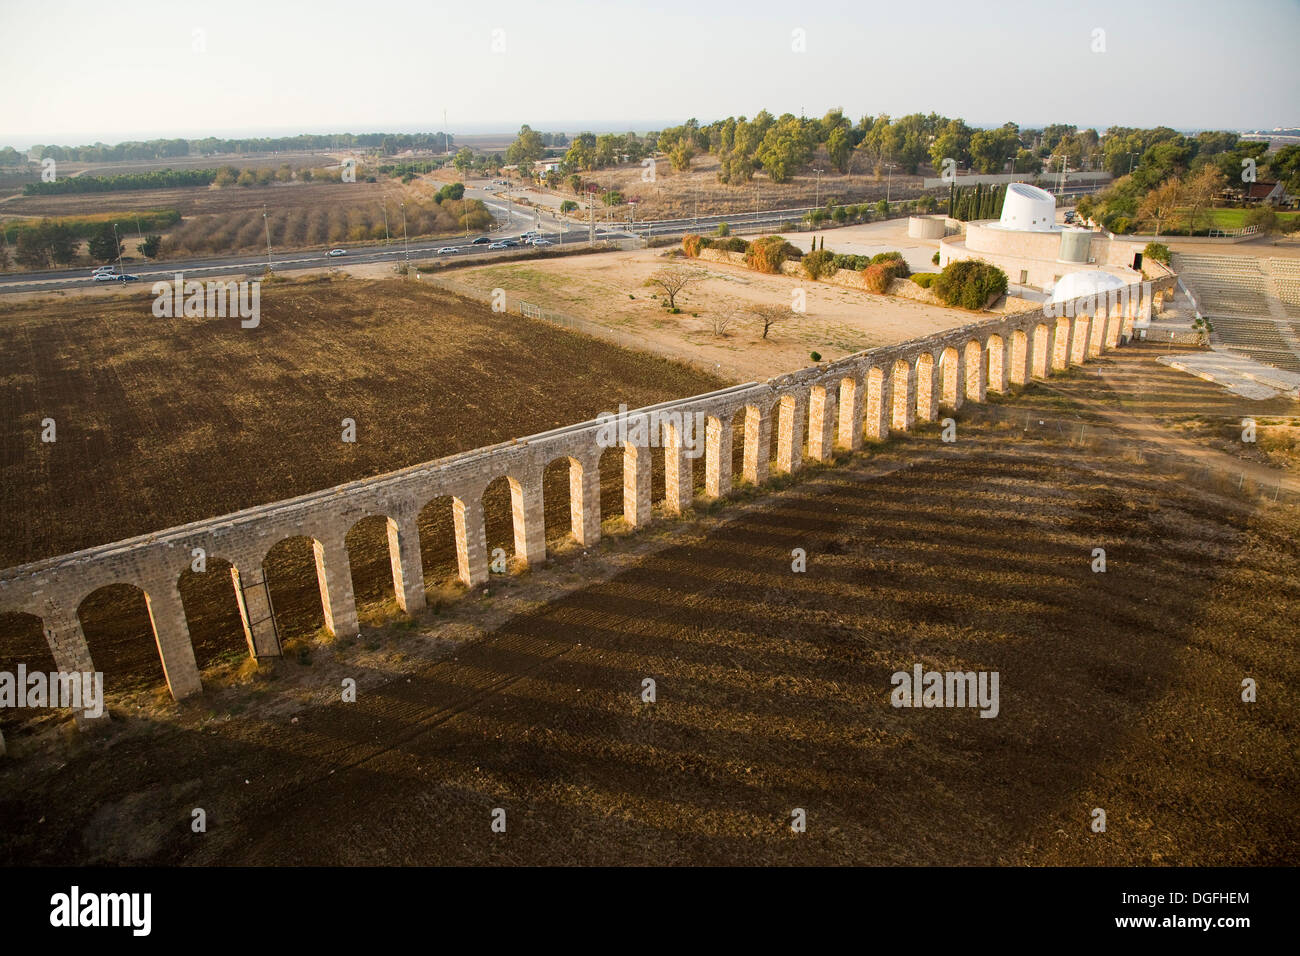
x: 815, y: 356
x: 724, y: 229
x: 819, y: 263
x: 923, y: 279
x: 969, y: 283
x: 766, y: 254
x: 736, y: 244
x: 877, y: 278
x: 1157, y: 251
x: 899, y: 268
x: 691, y: 244
x: 935, y: 258
x: 856, y: 263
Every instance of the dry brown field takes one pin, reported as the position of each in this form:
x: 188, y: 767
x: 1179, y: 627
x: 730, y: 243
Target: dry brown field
x: 164, y: 421
x: 1118, y: 690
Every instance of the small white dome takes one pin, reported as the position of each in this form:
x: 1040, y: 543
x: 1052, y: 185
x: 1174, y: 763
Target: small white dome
x: 1027, y: 208
x: 1087, y: 282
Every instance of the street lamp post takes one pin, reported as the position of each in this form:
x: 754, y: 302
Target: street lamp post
x: 406, y: 247
x: 889, y: 178
x: 117, y: 244
x: 817, y: 195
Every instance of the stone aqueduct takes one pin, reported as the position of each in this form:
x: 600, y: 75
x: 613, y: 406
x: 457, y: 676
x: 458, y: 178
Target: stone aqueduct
x: 865, y: 395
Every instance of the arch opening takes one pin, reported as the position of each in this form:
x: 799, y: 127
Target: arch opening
x: 121, y: 637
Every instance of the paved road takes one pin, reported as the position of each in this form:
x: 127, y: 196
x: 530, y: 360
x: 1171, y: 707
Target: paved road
x: 512, y: 220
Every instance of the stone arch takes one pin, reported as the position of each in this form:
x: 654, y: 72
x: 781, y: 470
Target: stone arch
x: 758, y: 443
x: 498, y: 501
x: 122, y: 637
x: 719, y: 456
x: 926, y: 406
x: 823, y: 420
x: 22, y: 641
x: 904, y: 395
x: 1079, y: 341
x: 995, y: 350
x: 1061, y: 353
x: 567, y: 497
x: 850, y: 402
x: 215, y: 613
x: 1019, y: 371
x: 439, y: 566
x: 739, y: 418
x: 975, y: 381
x: 1041, y: 361
x: 611, y: 482
x: 294, y: 569
x: 375, y: 563
x: 788, y: 435
x: 878, y: 415
x: 951, y: 371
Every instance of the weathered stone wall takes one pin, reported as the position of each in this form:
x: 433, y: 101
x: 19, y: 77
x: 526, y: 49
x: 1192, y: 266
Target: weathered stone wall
x: 865, y: 394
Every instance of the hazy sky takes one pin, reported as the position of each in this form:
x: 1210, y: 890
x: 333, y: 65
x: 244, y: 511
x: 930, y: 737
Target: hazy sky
x: 79, y: 71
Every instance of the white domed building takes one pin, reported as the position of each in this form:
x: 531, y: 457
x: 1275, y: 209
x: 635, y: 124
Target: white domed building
x: 1028, y: 244
x: 1075, y: 285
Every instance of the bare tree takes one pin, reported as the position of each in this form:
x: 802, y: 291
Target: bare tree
x: 770, y: 315
x: 673, y: 281
x: 724, y: 320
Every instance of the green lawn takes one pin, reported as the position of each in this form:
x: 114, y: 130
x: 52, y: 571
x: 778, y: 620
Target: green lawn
x: 1236, y: 218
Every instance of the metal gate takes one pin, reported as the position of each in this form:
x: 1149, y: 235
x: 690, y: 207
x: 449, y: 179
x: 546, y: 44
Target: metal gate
x: 264, y: 589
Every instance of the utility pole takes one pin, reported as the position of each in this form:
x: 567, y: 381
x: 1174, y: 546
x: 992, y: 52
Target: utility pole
x: 118, y: 246
x: 387, y: 238
x: 818, y: 194
x: 405, y: 244
x: 889, y: 178
x: 267, y: 223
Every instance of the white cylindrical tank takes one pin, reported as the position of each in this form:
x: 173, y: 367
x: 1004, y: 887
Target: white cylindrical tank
x: 1027, y: 208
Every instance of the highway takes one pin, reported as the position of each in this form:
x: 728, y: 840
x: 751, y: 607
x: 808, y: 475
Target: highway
x: 512, y: 220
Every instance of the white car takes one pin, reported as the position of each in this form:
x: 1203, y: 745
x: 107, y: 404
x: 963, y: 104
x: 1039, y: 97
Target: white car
x: 337, y: 252
x: 446, y: 250
x: 104, y: 269
x: 542, y: 242
x: 105, y: 276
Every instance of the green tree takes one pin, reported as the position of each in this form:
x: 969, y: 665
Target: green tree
x: 103, y: 244
x: 463, y: 160
x: 527, y: 147
x: 151, y: 246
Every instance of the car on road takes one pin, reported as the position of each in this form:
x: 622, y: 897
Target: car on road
x: 530, y: 234
x: 446, y: 250
x: 542, y: 242
x: 481, y: 241
x: 125, y: 277
x: 105, y: 276
x: 104, y: 269
x: 337, y: 252
x: 499, y: 245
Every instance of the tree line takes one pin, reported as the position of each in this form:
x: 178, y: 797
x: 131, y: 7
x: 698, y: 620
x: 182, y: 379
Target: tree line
x: 1176, y: 180
x: 387, y: 143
